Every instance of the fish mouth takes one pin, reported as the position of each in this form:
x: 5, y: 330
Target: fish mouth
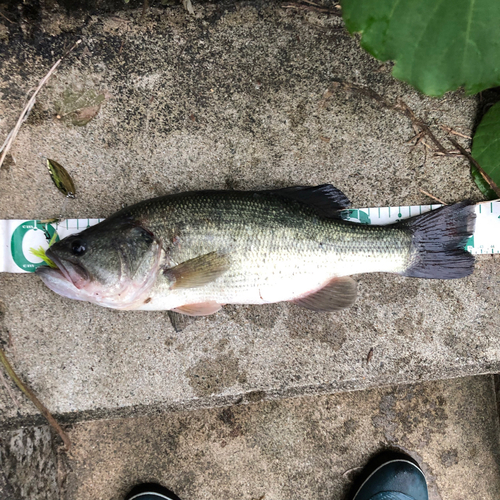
x: 56, y: 281
x: 70, y: 271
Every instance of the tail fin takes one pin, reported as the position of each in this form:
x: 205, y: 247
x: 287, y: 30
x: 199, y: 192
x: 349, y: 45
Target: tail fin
x: 438, y: 243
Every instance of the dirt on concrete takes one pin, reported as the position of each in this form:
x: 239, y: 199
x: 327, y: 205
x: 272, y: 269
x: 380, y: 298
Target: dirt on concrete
x: 300, y: 448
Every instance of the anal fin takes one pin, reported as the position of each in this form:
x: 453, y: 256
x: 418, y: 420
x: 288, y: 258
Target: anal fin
x: 337, y: 294
x: 201, y: 309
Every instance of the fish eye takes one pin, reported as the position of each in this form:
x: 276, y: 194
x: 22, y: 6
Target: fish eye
x: 78, y: 247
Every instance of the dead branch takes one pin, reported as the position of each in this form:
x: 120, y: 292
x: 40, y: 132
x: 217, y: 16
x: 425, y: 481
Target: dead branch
x: 30, y: 104
x: 454, y: 132
x: 29, y: 393
x: 6, y: 18
x: 433, y: 197
x: 362, y: 90
x: 10, y: 391
x: 419, y: 123
x: 311, y: 7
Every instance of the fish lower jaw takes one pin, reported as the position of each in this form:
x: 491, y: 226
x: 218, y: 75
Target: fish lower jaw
x: 129, y: 297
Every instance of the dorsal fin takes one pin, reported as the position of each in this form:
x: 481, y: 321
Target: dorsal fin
x: 326, y: 199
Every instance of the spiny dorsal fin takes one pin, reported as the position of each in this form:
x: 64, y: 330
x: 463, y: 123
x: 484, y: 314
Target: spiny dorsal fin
x: 338, y: 294
x: 198, y: 271
x: 326, y: 199
x: 202, y: 309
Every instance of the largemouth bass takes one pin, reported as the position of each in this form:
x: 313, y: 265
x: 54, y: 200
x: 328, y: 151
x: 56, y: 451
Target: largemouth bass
x: 194, y: 252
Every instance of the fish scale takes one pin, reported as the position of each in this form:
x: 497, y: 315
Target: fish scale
x: 279, y: 249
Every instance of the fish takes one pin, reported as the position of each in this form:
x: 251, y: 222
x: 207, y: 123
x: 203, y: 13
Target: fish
x: 194, y: 252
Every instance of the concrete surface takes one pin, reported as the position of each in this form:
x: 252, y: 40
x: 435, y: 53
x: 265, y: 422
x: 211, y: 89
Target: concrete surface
x: 29, y: 465
x: 301, y: 448
x: 242, y: 95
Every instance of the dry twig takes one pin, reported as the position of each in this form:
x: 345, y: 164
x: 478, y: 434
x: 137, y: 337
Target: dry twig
x: 454, y: 132
x: 362, y: 90
x: 10, y: 391
x: 6, y: 18
x: 421, y: 128
x: 29, y: 393
x: 449, y: 153
x: 13, y: 134
x: 417, y: 138
x: 433, y: 197
x: 420, y: 124
x: 311, y: 7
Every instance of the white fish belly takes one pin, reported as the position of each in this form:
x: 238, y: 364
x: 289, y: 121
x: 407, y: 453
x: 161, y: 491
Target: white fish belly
x: 256, y: 279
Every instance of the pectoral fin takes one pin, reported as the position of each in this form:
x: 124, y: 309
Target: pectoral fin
x: 203, y: 309
x: 338, y: 294
x: 197, y: 272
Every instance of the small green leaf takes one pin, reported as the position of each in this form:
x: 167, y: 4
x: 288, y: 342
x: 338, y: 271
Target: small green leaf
x: 486, y: 150
x: 61, y: 178
x: 437, y: 46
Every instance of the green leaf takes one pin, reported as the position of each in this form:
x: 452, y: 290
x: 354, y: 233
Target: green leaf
x: 437, y: 45
x: 483, y: 186
x: 486, y: 150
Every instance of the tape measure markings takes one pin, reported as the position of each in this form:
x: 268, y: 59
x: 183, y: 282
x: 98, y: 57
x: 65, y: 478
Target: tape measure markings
x: 17, y: 236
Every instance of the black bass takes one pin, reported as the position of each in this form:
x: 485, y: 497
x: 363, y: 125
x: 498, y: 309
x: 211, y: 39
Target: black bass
x: 194, y: 252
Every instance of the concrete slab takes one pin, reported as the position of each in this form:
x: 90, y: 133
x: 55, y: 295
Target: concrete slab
x: 29, y: 466
x: 242, y: 95
x: 301, y: 448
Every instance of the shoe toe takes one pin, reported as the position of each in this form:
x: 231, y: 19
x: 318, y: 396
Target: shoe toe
x: 396, y: 476
x: 150, y: 491
x: 150, y: 496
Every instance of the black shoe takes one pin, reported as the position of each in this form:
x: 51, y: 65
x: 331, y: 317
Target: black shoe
x: 392, y: 476
x: 150, y: 491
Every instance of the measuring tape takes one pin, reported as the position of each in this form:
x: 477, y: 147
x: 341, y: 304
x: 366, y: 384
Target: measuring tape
x: 17, y: 237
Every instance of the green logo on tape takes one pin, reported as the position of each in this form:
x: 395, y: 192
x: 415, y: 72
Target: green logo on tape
x: 16, y: 243
x: 357, y: 214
